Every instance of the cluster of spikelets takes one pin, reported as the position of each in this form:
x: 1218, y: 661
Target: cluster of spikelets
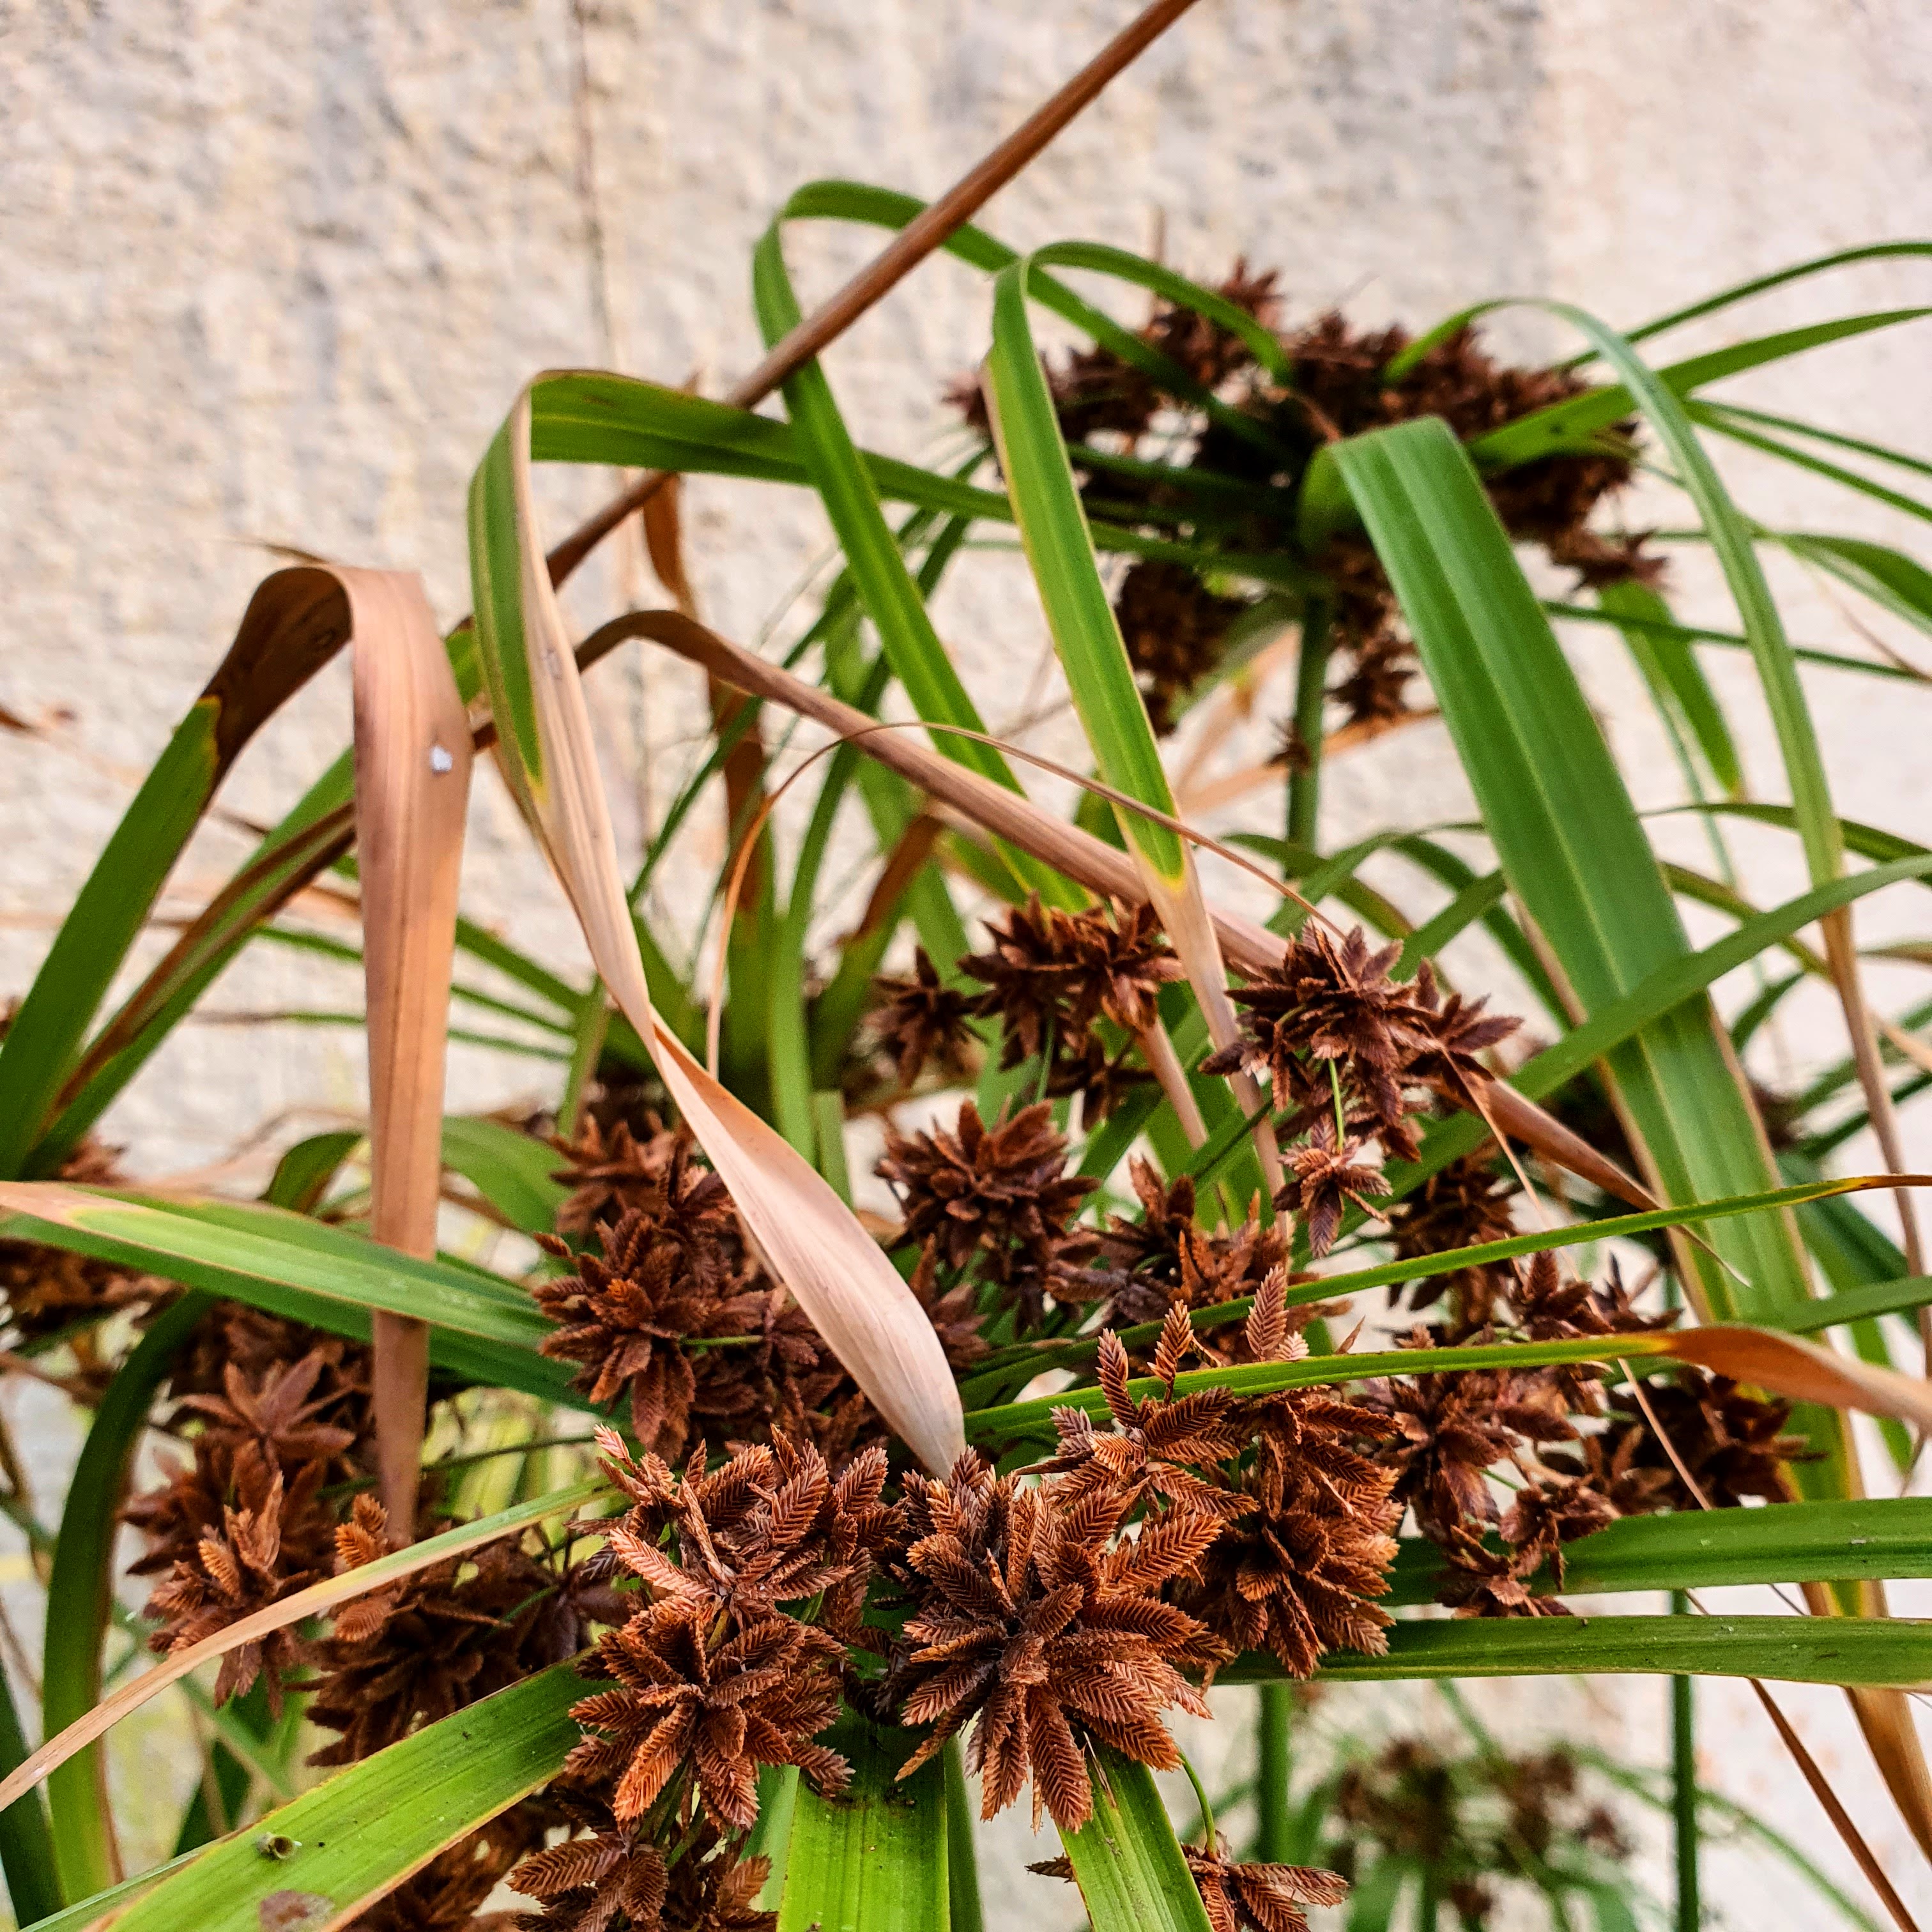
x: 1262, y: 434
x: 1037, y: 1615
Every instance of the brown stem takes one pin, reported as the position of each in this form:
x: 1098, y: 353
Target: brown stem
x: 927, y: 231
x: 1157, y: 1050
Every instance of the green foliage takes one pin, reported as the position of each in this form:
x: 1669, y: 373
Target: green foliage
x: 1249, y: 509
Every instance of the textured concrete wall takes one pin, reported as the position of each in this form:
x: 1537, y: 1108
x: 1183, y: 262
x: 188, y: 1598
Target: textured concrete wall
x: 273, y: 274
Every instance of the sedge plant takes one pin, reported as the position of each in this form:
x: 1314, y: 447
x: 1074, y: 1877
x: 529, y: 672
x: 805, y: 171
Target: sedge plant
x: 717, y: 1554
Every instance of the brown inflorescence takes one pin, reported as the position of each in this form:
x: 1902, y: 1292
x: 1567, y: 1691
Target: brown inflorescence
x: 1238, y: 1898
x: 997, y: 1200
x: 1032, y: 1619
x: 1466, y: 1204
x: 921, y: 1019
x: 610, y: 1173
x: 677, y: 1316
x: 1349, y: 1053
x: 1050, y: 976
x: 241, y: 1523
x: 1298, y: 1574
x: 419, y: 1649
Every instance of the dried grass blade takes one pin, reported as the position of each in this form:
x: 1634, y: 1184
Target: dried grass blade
x: 1803, y: 1370
x: 850, y: 1292
x: 412, y: 762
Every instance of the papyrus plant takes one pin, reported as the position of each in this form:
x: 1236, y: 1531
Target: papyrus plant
x: 836, y: 1551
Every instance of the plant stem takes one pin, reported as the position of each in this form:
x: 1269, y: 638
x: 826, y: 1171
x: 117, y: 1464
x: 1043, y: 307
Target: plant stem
x: 962, y: 1870
x: 919, y: 237
x: 1311, y: 689
x: 1683, y: 1790
x: 1271, y: 1802
x: 1428, y: 1904
x: 26, y: 1850
x: 593, y: 1024
x: 1208, y: 1832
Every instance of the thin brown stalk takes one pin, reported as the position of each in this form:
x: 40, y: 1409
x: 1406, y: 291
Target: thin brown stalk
x: 1841, y: 1819
x: 926, y: 232
x: 1157, y: 1050
x: 1841, y: 949
x: 1880, y: 1715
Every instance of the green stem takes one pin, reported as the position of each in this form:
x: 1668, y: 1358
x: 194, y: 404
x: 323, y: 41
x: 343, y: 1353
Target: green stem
x: 1683, y: 1790
x: 1428, y: 1903
x: 1311, y: 689
x: 593, y: 1024
x: 962, y: 1867
x: 80, y: 1599
x: 26, y: 1851
x: 1207, y: 1803
x: 1274, y: 1817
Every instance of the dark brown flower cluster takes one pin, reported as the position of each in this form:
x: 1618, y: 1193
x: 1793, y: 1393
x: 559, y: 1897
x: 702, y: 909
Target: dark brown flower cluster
x: 753, y: 1577
x: 1575, y: 1447
x: 430, y: 1645
x: 1250, y: 1897
x: 242, y: 1524
x: 1474, y: 1824
x: 1349, y: 1053
x: 1168, y: 1259
x: 1468, y: 1204
x: 1298, y: 1573
x: 1260, y: 435
x: 1173, y: 625
x: 415, y: 1651
x: 1050, y: 976
x: 920, y: 1021
x: 50, y: 1292
x: 613, y: 1171
x: 995, y: 1204
x: 676, y: 1315
x: 1033, y: 1617
x: 1071, y: 1604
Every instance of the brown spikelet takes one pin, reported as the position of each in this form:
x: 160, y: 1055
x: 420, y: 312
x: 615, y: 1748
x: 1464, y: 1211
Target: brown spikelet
x: 1050, y: 975
x: 612, y: 1173
x: 998, y: 1198
x: 920, y: 1020
x: 267, y: 1547
x: 1298, y: 1574
x: 1031, y: 1626
x: 1165, y: 1449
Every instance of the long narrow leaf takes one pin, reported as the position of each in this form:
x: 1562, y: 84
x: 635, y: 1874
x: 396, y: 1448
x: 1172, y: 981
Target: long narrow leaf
x: 1125, y: 1859
x: 873, y: 1859
x: 847, y: 1288
x: 315, y: 1864
x: 412, y: 755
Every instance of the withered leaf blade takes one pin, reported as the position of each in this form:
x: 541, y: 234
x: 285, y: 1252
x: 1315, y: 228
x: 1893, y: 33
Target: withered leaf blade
x: 412, y: 763
x: 812, y: 1241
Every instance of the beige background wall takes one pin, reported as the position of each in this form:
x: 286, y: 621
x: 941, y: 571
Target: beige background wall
x: 273, y: 274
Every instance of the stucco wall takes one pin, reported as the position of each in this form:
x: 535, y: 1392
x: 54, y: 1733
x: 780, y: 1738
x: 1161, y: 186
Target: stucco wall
x: 274, y: 274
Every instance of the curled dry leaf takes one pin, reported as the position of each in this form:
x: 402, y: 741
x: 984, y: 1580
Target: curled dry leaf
x: 812, y: 1240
